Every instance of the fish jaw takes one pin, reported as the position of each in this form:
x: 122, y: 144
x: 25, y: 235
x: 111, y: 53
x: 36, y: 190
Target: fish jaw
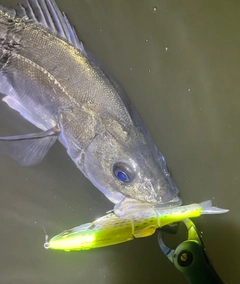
x: 129, y: 206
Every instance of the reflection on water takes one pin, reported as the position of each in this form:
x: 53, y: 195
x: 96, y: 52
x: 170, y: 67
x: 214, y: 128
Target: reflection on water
x: 179, y: 62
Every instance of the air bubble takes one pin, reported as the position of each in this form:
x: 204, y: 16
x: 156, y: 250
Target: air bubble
x: 154, y: 9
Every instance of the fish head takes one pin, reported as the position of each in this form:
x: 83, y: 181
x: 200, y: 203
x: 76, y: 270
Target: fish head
x: 127, y: 165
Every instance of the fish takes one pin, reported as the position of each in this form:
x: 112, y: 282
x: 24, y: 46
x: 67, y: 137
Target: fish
x: 48, y: 76
x: 111, y: 229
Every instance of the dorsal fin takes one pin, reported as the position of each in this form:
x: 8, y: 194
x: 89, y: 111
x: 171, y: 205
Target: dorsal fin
x: 47, y: 13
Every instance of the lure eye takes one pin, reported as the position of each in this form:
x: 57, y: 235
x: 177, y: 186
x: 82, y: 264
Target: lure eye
x: 123, y: 172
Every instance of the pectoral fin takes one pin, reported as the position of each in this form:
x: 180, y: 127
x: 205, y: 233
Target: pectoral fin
x: 29, y: 149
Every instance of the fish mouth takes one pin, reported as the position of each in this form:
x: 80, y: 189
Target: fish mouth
x: 129, y: 206
x: 176, y: 201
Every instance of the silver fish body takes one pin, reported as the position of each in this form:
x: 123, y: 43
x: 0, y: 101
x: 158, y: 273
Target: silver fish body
x: 48, y: 76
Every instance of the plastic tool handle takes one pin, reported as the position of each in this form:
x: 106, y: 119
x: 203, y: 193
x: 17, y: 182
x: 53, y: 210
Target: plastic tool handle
x: 191, y: 260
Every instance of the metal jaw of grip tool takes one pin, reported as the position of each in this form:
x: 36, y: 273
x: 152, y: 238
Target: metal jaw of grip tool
x: 190, y: 257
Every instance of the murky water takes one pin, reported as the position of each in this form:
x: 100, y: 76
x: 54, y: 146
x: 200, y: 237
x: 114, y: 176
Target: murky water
x: 179, y: 61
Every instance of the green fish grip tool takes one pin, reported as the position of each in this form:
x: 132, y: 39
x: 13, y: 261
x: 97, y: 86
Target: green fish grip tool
x: 190, y: 257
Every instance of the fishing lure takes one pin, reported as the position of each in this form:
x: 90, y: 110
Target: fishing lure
x: 111, y: 229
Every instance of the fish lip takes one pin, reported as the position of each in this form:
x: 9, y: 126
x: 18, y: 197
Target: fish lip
x: 176, y: 201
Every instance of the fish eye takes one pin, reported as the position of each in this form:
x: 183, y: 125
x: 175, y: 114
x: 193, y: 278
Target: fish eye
x: 123, y: 172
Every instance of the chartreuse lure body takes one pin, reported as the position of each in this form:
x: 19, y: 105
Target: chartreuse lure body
x: 111, y: 229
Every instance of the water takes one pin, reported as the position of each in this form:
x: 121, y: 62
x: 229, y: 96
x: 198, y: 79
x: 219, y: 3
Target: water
x: 190, y: 103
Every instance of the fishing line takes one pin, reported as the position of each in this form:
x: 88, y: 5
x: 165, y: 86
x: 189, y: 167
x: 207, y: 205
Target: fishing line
x: 46, y: 244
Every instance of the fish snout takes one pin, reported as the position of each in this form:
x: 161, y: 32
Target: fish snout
x: 166, y: 189
x: 160, y: 191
